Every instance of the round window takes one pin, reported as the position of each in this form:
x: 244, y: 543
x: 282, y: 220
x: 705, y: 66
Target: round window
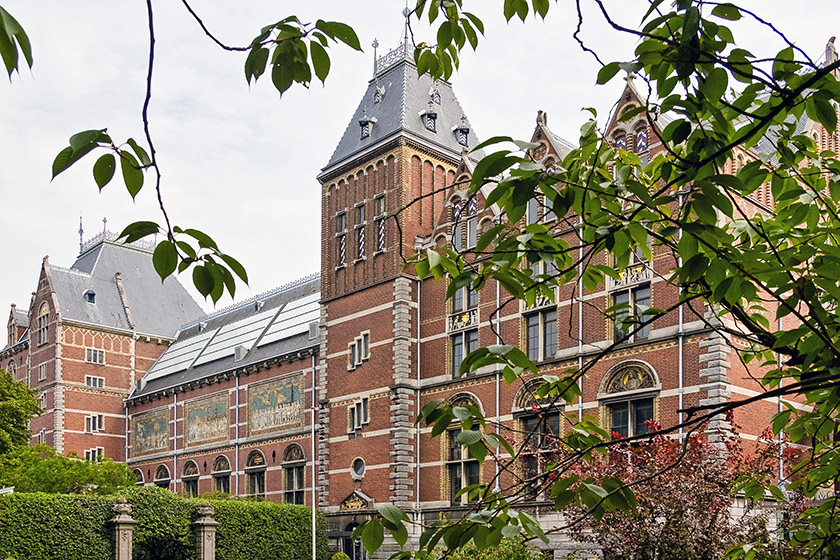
x: 358, y: 467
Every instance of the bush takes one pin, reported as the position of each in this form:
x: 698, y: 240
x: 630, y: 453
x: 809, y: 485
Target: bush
x: 69, y: 527
x: 47, y: 526
x: 507, y: 549
x: 340, y: 556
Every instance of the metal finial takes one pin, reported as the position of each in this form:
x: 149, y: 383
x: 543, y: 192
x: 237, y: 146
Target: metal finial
x: 81, y: 233
x: 375, y: 45
x: 104, y: 225
x: 406, y: 12
x: 463, y: 119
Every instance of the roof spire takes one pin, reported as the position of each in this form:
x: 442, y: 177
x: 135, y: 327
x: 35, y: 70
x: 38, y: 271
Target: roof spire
x: 81, y: 234
x: 375, y: 45
x: 406, y: 14
x: 104, y: 226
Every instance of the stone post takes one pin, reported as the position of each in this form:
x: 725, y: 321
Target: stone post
x: 123, y: 525
x: 205, y: 533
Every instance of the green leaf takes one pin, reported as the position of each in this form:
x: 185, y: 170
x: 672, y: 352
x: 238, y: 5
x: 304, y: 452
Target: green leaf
x: 165, y: 259
x: 826, y: 114
x: 131, y: 173
x: 203, y: 280
x: 320, y: 60
x: 392, y: 513
x: 607, y: 72
x: 727, y: 11
x: 103, y: 170
x: 372, y: 536
x: 141, y: 153
x: 339, y: 31
x: 138, y: 230
x: 11, y: 32
x: 234, y: 265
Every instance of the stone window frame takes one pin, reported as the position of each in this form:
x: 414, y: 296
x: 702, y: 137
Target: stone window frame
x: 94, y: 453
x: 379, y: 221
x: 163, y: 477
x: 138, y: 474
x: 255, y: 473
x: 609, y: 396
x: 94, y: 423
x: 94, y: 381
x: 221, y: 472
x: 43, y: 324
x: 294, y: 474
x: 358, y: 351
x: 541, y: 316
x: 527, y: 406
x: 189, y: 480
x: 341, y: 238
x: 95, y: 356
x: 359, y: 227
x: 634, y: 333
x: 358, y: 414
x: 42, y: 371
x: 448, y: 452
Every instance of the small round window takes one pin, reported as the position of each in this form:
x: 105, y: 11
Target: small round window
x: 358, y: 467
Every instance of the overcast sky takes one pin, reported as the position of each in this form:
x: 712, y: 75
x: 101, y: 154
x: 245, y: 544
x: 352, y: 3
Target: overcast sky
x: 239, y: 162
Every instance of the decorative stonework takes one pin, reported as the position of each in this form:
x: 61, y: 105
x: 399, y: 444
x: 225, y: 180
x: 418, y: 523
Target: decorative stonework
x: 630, y: 378
x: 275, y: 405
x: 402, y: 399
x: 632, y: 275
x: 715, y: 366
x: 207, y: 419
x: 123, y: 527
x: 462, y: 320
x: 150, y: 432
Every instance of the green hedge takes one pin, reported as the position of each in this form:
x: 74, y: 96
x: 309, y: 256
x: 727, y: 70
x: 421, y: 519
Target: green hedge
x: 72, y: 527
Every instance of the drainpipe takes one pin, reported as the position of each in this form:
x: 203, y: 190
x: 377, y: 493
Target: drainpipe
x: 236, y: 442
x: 125, y: 408
x: 417, y: 412
x: 780, y: 408
x: 314, y: 461
x: 580, y: 323
x: 680, y: 343
x: 175, y: 444
x: 498, y: 374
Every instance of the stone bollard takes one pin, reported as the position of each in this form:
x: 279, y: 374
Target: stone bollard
x: 123, y: 525
x: 205, y: 533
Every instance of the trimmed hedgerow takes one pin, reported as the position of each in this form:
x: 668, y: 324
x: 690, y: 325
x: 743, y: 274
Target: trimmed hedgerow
x: 267, y: 531
x: 48, y: 526
x: 75, y: 527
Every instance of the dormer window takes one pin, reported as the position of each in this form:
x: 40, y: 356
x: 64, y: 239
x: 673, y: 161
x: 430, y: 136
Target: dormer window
x: 429, y: 120
x: 434, y: 95
x: 462, y: 135
x: 366, y: 123
x: 90, y: 296
x: 378, y: 94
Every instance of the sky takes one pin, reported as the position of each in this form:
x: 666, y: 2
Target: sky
x: 240, y: 162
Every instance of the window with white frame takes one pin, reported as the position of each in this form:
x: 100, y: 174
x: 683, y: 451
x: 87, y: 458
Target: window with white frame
x: 42, y: 372
x: 94, y: 454
x: 358, y: 414
x: 94, y: 381
x: 42, y: 401
x: 629, y: 304
x: 294, y: 463
x: 358, y: 351
x: 42, y: 436
x: 43, y: 324
x: 94, y: 356
x: 360, y: 231
x: 541, y: 334
x: 472, y: 223
x: 379, y: 220
x: 94, y: 423
x: 341, y: 237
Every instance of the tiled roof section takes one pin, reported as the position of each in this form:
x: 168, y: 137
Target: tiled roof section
x: 398, y: 111
x: 157, y: 308
x: 21, y: 318
x: 271, y: 325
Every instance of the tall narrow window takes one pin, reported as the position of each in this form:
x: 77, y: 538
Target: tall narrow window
x: 457, y: 227
x: 341, y: 237
x: 255, y: 472
x: 642, y: 140
x: 221, y: 474
x: 630, y: 322
x: 360, y: 231
x: 472, y: 223
x: 190, y: 479
x: 462, y: 469
x: 162, y: 477
x: 541, y: 334
x: 43, y: 324
x: 532, y: 213
x: 462, y: 344
x: 379, y: 206
x: 294, y: 462
x: 541, y: 431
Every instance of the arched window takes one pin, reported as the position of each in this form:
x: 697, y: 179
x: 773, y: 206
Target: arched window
x: 457, y: 226
x: 472, y: 223
x: 620, y: 140
x: 255, y: 472
x: 538, y: 425
x: 162, y: 477
x: 12, y: 368
x: 138, y: 474
x: 294, y: 463
x: 629, y: 399
x: 642, y: 142
x: 43, y: 323
x: 221, y: 474
x: 462, y: 470
x: 190, y: 478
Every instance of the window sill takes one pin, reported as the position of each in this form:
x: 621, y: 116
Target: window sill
x: 340, y: 267
x: 360, y: 259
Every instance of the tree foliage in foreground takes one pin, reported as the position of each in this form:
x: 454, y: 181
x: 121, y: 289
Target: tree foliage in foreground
x: 751, y: 269
x: 17, y: 405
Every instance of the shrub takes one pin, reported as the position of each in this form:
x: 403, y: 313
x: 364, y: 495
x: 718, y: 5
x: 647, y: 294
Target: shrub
x: 340, y: 556
x: 507, y: 549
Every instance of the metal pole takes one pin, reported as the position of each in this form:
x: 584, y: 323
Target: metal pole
x: 314, y: 465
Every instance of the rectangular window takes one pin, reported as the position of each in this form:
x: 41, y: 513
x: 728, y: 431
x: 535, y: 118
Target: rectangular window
x: 191, y: 487
x: 221, y: 483
x: 541, y: 334
x: 358, y: 351
x: 42, y: 436
x: 532, y: 213
x: 94, y: 381
x: 457, y: 237
x: 358, y: 414
x: 463, y: 470
x: 94, y: 454
x: 341, y: 238
x: 379, y: 220
x: 43, y: 328
x: 42, y: 400
x: 463, y: 299
x: 379, y: 205
x: 360, y: 241
x: 94, y: 356
x: 630, y: 418
x: 541, y: 436
x: 462, y: 344
x: 630, y: 323
x: 42, y: 372
x: 94, y: 423
x: 472, y: 233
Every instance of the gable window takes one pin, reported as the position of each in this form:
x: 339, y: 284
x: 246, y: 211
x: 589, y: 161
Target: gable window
x: 366, y: 126
x: 462, y: 470
x: 630, y: 323
x: 95, y: 423
x: 429, y: 118
x: 358, y: 351
x: 94, y: 454
x: 221, y: 474
x: 629, y: 400
x: 94, y: 356
x: 94, y: 381
x: 190, y: 479
x: 294, y: 462
x: 620, y: 140
x: 360, y: 232
x: 341, y: 237
x: 541, y: 334
x: 255, y: 472
x: 43, y: 324
x: 379, y: 221
x: 358, y: 414
x: 162, y: 477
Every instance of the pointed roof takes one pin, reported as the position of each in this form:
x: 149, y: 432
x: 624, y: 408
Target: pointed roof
x: 125, y: 288
x: 395, y: 102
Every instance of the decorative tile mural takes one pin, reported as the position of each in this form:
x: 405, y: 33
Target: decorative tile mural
x: 275, y: 405
x: 207, y: 419
x: 150, y: 432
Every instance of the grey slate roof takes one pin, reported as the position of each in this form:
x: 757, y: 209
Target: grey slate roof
x: 267, y: 326
x: 406, y: 97
x: 157, y: 308
x: 21, y: 318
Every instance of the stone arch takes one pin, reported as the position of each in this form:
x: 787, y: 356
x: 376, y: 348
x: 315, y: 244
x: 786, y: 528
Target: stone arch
x: 629, y: 376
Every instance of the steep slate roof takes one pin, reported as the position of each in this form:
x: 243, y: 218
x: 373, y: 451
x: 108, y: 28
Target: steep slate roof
x: 406, y: 97
x: 274, y: 324
x: 149, y: 306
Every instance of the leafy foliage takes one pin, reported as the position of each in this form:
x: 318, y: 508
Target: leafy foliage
x: 17, y: 405
x: 13, y: 43
x: 42, y: 469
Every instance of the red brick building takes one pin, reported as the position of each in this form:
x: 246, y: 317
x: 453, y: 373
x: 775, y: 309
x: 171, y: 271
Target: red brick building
x: 352, y: 354
x: 91, y: 331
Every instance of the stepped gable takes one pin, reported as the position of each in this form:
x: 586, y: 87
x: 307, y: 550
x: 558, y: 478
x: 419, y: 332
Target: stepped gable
x: 394, y: 103
x: 277, y: 323
x: 106, y: 268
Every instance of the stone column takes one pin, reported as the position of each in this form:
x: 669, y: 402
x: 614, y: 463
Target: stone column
x: 123, y: 525
x: 205, y: 533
